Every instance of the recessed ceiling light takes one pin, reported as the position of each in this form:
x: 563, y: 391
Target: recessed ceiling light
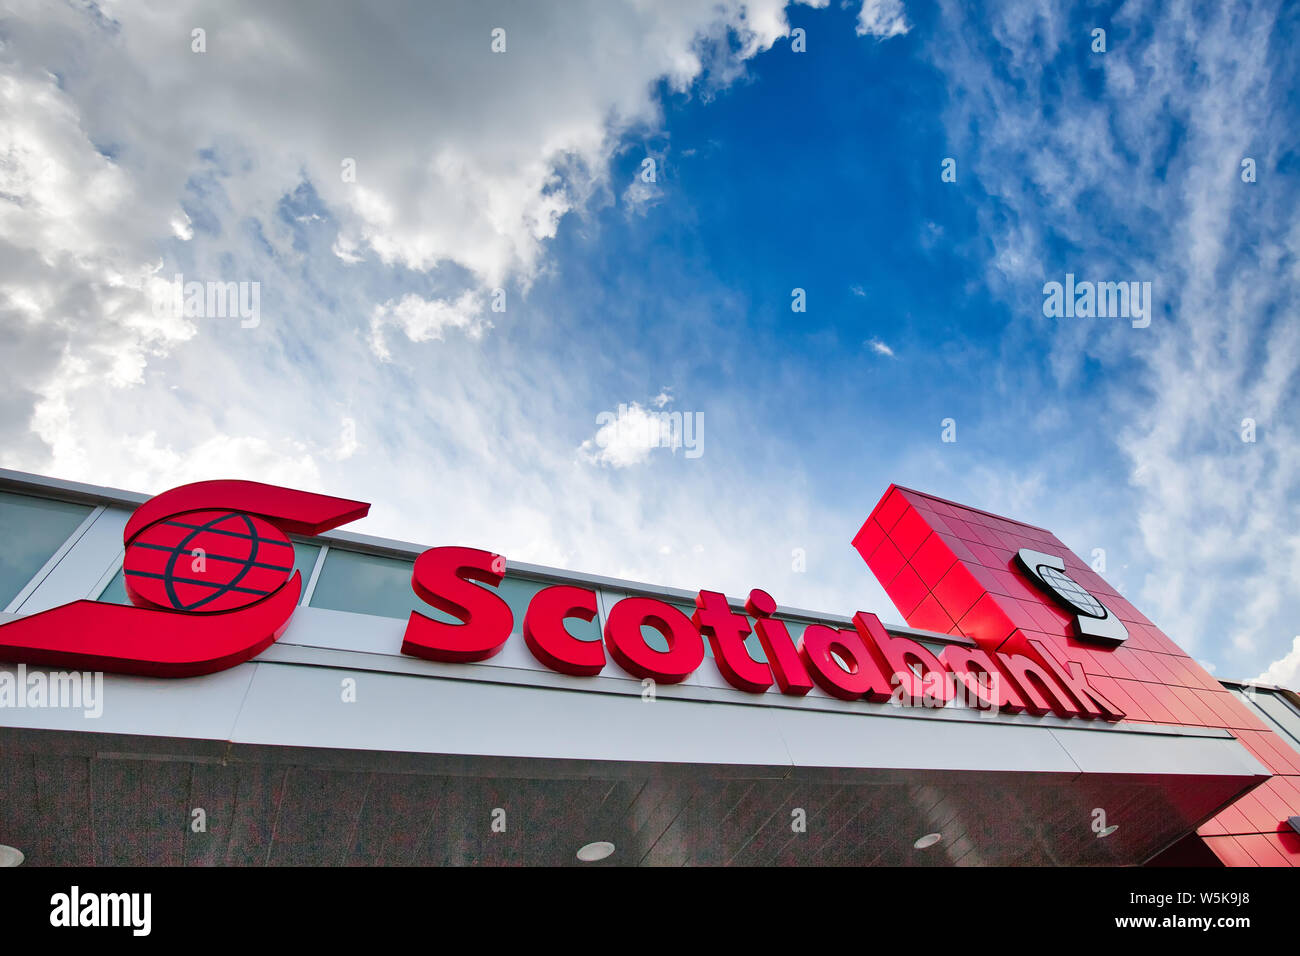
x: 1107, y: 831
x: 9, y: 856
x: 927, y: 841
x: 595, y: 851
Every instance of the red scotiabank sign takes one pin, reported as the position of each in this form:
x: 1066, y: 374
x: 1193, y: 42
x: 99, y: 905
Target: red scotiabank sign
x: 209, y: 570
x: 862, y: 662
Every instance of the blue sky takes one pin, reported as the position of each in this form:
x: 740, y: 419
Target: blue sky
x: 378, y: 369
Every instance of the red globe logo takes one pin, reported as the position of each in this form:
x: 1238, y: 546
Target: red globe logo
x: 206, y: 561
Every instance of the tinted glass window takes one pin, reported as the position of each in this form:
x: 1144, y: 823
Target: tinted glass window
x: 368, y: 584
x: 31, y: 529
x: 1282, y: 714
x: 374, y: 584
x: 115, y: 591
x: 304, y: 560
x: 518, y: 592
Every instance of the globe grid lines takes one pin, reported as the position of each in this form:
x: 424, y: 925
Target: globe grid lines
x: 1072, y: 591
x: 164, y: 586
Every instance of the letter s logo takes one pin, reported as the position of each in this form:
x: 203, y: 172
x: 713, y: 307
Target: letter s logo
x: 1093, y: 621
x: 209, y: 568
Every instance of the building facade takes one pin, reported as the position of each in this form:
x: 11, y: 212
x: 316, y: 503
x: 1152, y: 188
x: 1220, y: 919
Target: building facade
x: 417, y: 708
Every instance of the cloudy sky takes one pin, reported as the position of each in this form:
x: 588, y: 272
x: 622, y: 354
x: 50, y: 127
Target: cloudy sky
x: 489, y: 238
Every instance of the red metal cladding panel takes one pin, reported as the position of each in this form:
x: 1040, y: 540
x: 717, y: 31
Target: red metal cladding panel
x: 1137, y: 712
x: 964, y: 531
x: 958, y: 547
x: 932, y: 560
x: 984, y: 554
x: 885, y: 562
x: 1271, y: 797
x: 958, y: 591
x: 1160, y: 668
x: 1230, y: 820
x: 868, y: 538
x: 1232, y: 853
x: 1195, y: 698
x: 987, y: 623
x: 1108, y: 665
x: 1065, y: 622
x: 907, y: 590
x: 1284, y: 758
x: 929, y: 615
x: 937, y: 523
x: 910, y: 532
x: 1013, y: 585
x: 1178, y: 714
x: 1289, y: 788
x: 1266, y: 849
x: 1058, y: 625
x: 1288, y: 844
x: 1190, y: 696
x: 1115, y: 692
x: 1191, y: 674
x: 1151, y: 701
x: 1212, y: 827
x: 890, y: 509
x: 987, y: 578
x: 1136, y: 662
x: 1019, y: 615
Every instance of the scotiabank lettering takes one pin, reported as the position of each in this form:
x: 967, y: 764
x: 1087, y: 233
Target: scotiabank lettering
x: 864, y: 662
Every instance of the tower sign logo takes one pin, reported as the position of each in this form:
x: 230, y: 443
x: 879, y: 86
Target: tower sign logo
x: 1093, y: 621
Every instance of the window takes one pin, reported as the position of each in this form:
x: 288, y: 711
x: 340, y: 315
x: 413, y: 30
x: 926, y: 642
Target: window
x: 1281, y: 713
x: 379, y: 585
x: 32, y: 529
x: 368, y: 584
x: 115, y: 590
x: 518, y: 592
x: 304, y: 561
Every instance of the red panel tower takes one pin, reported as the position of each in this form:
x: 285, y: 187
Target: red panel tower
x: 954, y: 569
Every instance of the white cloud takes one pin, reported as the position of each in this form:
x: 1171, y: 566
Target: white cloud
x: 880, y: 348
x: 626, y: 439
x: 640, y: 195
x: 1284, y: 672
x: 348, y: 444
x: 1217, y: 519
x: 465, y: 162
x: 464, y: 158
x: 882, y: 18
x: 422, y: 320
x: 346, y: 250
